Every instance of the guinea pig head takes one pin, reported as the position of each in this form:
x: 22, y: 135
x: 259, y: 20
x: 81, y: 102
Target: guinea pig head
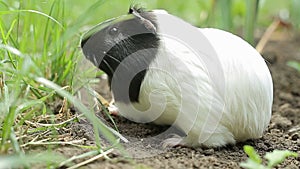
x: 110, y: 43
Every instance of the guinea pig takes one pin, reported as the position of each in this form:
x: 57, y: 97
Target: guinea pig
x: 208, y: 83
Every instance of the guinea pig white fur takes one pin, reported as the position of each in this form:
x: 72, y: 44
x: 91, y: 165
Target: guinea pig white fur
x: 208, y: 83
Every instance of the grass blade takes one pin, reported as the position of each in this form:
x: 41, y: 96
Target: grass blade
x: 16, y: 161
x: 251, y: 16
x: 91, y: 116
x: 224, y: 7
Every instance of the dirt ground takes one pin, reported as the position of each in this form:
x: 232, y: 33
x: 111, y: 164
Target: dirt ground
x: 282, y: 133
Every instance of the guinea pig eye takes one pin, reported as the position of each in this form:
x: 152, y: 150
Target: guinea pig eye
x: 113, y: 31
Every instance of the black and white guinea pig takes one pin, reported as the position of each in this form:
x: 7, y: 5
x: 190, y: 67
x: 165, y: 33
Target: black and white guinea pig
x: 208, y: 83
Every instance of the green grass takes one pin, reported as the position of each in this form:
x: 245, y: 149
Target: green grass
x: 40, y: 58
x: 294, y: 64
x: 274, y: 158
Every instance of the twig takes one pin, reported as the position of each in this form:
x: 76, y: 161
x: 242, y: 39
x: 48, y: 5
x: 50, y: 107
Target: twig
x: 294, y: 129
x: 52, y: 125
x: 266, y: 37
x: 34, y: 136
x: 33, y: 142
x: 92, y: 159
x: 84, y: 155
x: 64, y: 106
x: 42, y: 142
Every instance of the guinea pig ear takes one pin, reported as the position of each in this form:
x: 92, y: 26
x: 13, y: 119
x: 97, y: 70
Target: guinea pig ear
x: 134, y: 7
x: 147, y: 23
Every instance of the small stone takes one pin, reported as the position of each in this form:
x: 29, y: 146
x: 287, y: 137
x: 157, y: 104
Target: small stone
x: 286, y: 96
x: 289, y: 112
x: 167, y: 156
x: 295, y: 136
x: 275, y: 132
x: 209, y: 151
x: 280, y: 122
x: 284, y: 106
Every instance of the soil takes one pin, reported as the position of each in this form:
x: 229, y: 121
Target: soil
x: 282, y: 133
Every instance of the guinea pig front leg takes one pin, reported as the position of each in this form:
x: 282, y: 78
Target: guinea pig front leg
x: 173, y: 141
x: 112, y: 109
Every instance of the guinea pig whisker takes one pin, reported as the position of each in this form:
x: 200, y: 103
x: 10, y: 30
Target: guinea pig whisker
x: 115, y: 59
x: 109, y: 67
x: 95, y: 60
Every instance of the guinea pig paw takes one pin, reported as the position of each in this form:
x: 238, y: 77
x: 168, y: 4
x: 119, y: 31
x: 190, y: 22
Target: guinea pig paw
x: 113, y: 110
x: 173, y: 141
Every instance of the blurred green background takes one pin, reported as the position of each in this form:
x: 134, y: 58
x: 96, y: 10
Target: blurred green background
x: 225, y: 14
